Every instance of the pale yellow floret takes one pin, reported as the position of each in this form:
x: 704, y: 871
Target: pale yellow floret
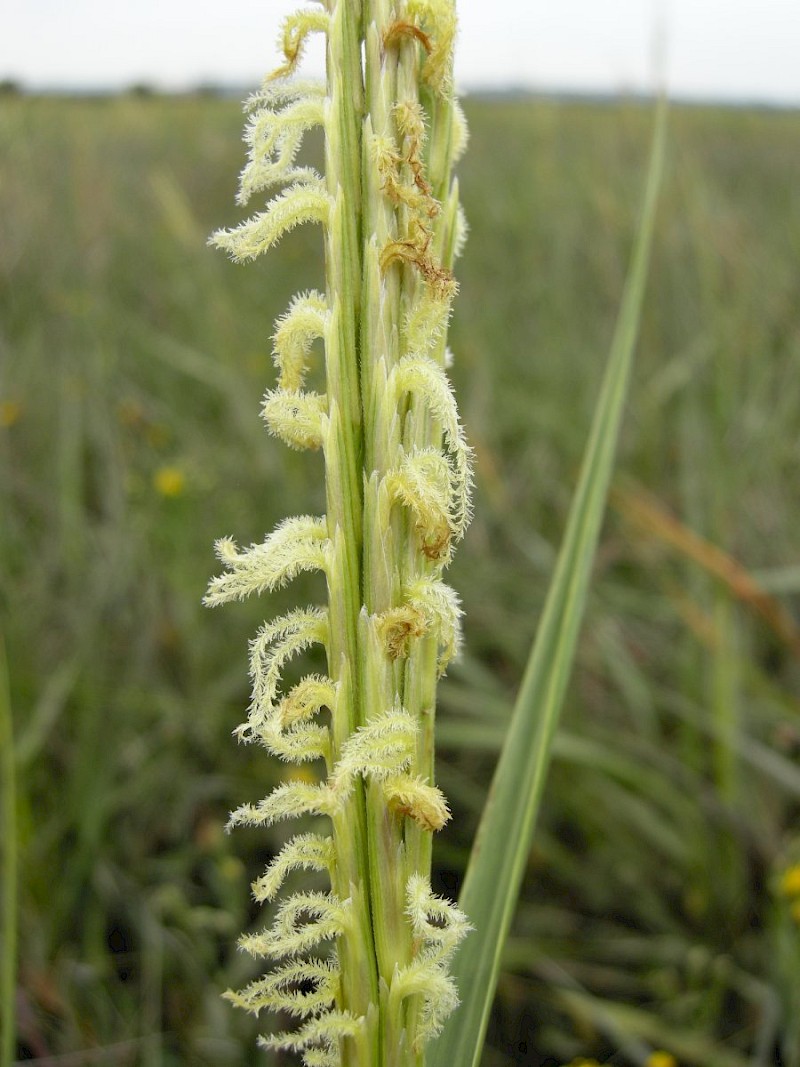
x: 299, y: 419
x: 286, y: 801
x: 274, y: 645
x: 415, y: 799
x: 301, y: 202
x: 428, y: 383
x: 426, y: 322
x: 273, y: 93
x: 422, y: 484
x: 426, y: 979
x: 299, y: 744
x: 440, y: 605
x: 388, y: 163
x: 429, y: 606
x: 299, y: 987
x: 438, y: 19
x: 380, y: 750
x: 398, y: 627
x: 326, y: 1030
x: 303, y: 852
x: 295, y: 545
x: 275, y: 138
x: 306, y: 699
x: 295, y: 30
x: 306, y: 321
x: 267, y: 128
x: 460, y: 131
x: 461, y: 232
x: 439, y: 927
x: 301, y: 923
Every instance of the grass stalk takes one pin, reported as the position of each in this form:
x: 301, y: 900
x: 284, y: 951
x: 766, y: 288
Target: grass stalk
x: 8, y: 984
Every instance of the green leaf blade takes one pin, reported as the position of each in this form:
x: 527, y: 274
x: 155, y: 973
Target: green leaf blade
x: 503, y: 841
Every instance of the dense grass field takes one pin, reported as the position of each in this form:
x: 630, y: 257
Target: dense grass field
x: 661, y: 909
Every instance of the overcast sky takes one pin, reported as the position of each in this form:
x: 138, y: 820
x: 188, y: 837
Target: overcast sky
x: 722, y: 49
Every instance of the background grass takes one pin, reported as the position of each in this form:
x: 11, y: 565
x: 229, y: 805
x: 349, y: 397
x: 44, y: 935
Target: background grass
x: 132, y: 359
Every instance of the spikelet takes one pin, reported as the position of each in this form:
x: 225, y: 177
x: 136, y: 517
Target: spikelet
x: 275, y: 138
x: 305, y: 851
x: 378, y: 750
x: 304, y: 201
x: 422, y: 483
x: 295, y: 31
x: 412, y: 797
x: 427, y: 382
x: 296, y: 545
x: 299, y: 418
x: 286, y: 801
x: 439, y: 604
x: 301, y: 923
x: 439, y: 927
x: 323, y: 1030
x: 286, y: 731
x: 299, y: 987
x: 272, y: 648
x: 295, y: 331
x: 438, y: 19
x: 428, y: 606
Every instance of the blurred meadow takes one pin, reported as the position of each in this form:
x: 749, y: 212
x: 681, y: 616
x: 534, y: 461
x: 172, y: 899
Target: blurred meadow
x: 661, y: 907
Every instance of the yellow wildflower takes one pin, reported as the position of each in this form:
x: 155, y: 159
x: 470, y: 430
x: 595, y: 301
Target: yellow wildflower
x: 10, y: 411
x: 659, y: 1058
x: 790, y: 881
x: 169, y: 481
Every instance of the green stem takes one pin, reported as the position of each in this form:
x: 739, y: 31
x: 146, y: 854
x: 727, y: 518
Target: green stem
x: 9, y: 890
x: 343, y: 458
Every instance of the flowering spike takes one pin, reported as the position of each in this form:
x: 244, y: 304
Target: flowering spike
x: 397, y: 473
